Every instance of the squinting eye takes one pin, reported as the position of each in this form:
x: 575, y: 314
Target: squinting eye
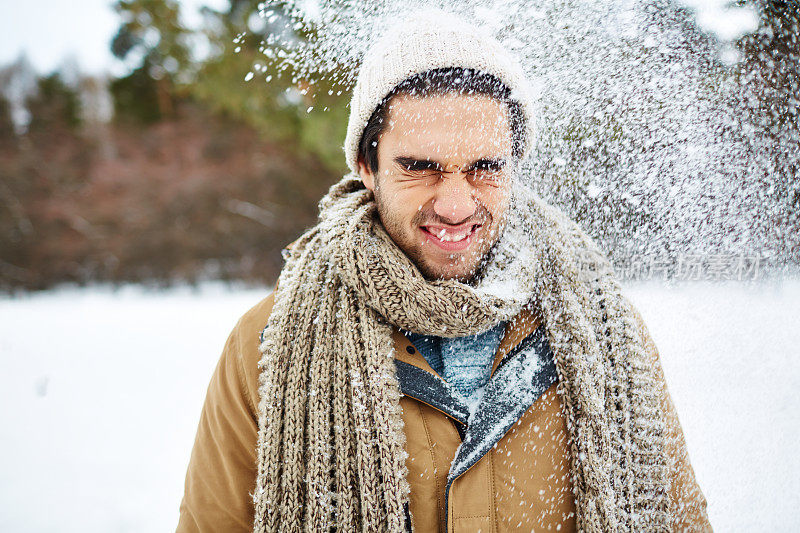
x: 488, y: 166
x: 488, y: 173
x: 421, y: 166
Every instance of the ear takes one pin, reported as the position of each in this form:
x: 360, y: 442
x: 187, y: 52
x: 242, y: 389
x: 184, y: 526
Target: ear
x: 366, y: 175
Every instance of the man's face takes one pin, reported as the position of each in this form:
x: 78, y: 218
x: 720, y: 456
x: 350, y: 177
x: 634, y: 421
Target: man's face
x: 444, y: 179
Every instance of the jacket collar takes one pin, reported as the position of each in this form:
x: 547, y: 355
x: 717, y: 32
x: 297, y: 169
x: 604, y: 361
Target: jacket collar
x: 420, y: 381
x: 522, y: 371
x: 517, y: 329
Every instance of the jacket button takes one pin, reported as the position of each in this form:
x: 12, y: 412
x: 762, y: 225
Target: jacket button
x: 410, y: 349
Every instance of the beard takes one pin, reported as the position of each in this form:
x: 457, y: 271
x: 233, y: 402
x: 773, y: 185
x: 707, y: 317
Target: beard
x: 466, y: 267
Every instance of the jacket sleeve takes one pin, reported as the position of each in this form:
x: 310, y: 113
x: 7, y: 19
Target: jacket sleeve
x: 686, y: 499
x: 222, y: 467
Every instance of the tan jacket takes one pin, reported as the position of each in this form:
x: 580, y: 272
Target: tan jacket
x: 514, y: 477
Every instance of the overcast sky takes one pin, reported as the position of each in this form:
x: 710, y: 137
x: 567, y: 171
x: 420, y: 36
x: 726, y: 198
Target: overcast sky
x: 82, y: 29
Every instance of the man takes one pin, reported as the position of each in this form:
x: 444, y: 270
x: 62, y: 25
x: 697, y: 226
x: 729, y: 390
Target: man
x: 443, y: 351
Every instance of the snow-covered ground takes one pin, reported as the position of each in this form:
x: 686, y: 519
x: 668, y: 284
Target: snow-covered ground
x: 100, y: 393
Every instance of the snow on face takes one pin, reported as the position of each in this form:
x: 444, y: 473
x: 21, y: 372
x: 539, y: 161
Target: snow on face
x: 444, y: 179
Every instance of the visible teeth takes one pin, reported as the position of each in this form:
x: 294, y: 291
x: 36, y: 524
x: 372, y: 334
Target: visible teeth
x: 444, y: 236
x: 452, y: 237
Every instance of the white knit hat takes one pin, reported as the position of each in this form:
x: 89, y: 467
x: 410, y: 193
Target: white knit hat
x: 430, y: 39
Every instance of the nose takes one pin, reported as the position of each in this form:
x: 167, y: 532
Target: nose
x: 454, y: 200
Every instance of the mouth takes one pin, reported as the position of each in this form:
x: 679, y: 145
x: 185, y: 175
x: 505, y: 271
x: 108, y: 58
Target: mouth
x: 452, y: 238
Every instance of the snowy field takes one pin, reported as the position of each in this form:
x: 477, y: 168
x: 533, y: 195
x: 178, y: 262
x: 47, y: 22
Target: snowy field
x: 100, y: 394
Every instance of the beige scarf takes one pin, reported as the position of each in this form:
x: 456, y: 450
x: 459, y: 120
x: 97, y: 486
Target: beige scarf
x: 331, y: 446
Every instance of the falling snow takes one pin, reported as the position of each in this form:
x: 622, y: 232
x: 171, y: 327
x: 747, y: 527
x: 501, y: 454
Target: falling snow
x: 642, y: 136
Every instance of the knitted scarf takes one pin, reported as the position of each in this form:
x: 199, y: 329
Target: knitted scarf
x: 331, y: 444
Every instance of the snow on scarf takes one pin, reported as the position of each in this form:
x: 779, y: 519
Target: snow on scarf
x: 331, y: 442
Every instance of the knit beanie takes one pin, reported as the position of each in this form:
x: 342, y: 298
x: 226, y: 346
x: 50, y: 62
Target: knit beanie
x: 430, y: 39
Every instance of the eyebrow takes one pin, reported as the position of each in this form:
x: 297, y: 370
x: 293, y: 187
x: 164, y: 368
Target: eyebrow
x: 409, y: 162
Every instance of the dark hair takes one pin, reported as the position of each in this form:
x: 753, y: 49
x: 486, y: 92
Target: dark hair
x: 442, y: 81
